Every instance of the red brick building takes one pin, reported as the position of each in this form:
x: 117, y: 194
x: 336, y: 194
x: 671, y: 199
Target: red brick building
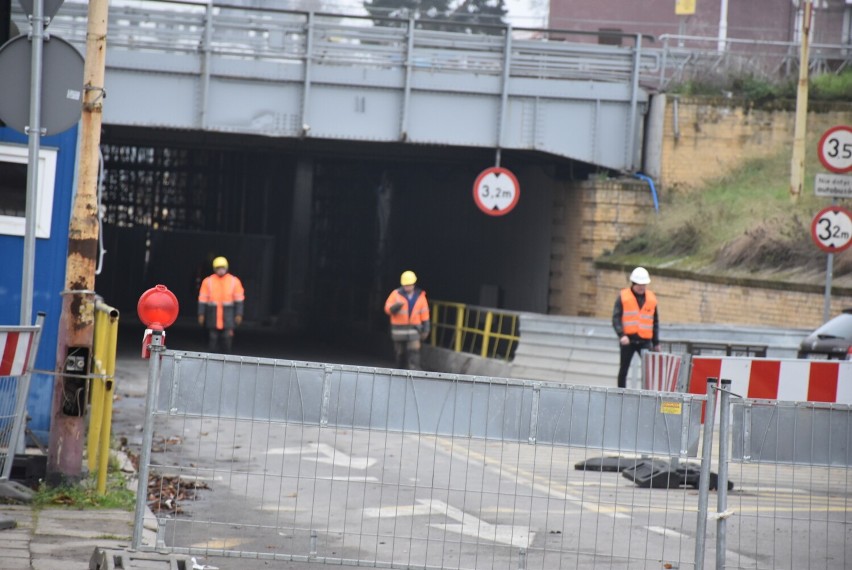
x: 763, y: 20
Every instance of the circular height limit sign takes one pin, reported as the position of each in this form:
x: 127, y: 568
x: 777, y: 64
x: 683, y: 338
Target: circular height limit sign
x: 831, y: 229
x: 835, y: 149
x: 496, y: 191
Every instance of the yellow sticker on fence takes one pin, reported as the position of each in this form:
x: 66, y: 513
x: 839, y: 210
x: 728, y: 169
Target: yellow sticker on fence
x: 671, y: 408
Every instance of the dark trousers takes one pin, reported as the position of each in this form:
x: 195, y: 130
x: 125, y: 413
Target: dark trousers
x: 627, y: 352
x: 407, y: 354
x: 223, y: 338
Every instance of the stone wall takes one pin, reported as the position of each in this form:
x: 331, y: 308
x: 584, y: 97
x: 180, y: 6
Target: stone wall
x: 689, y: 298
x: 706, y: 139
x: 590, y: 218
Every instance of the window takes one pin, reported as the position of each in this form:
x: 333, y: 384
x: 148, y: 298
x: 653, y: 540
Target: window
x: 610, y: 36
x: 13, y: 190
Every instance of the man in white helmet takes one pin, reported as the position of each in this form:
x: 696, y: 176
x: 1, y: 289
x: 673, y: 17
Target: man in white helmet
x: 635, y: 321
x: 408, y: 310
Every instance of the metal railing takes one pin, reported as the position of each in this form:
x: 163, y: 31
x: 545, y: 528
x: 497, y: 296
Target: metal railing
x: 485, y: 332
x: 337, y: 39
x: 102, y: 391
x: 293, y: 37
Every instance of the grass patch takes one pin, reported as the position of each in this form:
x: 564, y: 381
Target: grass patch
x: 84, y: 495
x: 743, y: 224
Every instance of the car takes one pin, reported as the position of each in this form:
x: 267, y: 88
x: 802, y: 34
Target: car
x: 833, y: 340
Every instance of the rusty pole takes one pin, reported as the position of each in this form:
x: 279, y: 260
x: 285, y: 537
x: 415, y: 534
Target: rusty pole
x: 76, y: 322
x: 797, y: 161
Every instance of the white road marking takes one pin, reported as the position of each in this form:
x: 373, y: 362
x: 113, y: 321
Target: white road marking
x: 666, y: 532
x: 329, y: 454
x: 514, y: 535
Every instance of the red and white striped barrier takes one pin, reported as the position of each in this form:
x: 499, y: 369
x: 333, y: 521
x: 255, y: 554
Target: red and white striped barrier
x: 660, y: 371
x: 15, y: 349
x: 18, y: 348
x: 790, y: 379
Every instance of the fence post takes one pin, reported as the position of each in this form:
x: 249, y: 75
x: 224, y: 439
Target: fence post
x: 156, y: 347
x: 486, y: 333
x: 460, y: 312
x: 704, y: 480
x: 722, y: 481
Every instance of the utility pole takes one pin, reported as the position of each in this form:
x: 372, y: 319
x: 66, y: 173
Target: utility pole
x: 76, y: 322
x: 797, y: 163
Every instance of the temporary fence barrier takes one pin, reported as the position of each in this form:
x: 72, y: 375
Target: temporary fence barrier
x: 18, y: 350
x: 792, y: 508
x: 348, y: 465
x: 375, y: 467
x: 777, y: 379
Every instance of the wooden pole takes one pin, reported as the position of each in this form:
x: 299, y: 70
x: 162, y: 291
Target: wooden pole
x: 76, y: 322
x: 797, y: 163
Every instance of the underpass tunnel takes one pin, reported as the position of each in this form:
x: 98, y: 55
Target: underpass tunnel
x: 319, y: 231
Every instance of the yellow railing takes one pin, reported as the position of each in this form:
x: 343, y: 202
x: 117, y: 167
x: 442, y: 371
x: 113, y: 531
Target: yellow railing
x: 102, y: 390
x: 488, y: 333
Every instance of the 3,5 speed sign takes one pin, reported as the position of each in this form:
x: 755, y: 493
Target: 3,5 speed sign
x: 835, y: 149
x: 831, y: 229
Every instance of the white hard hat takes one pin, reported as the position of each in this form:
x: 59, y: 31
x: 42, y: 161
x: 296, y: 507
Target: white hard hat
x: 640, y: 276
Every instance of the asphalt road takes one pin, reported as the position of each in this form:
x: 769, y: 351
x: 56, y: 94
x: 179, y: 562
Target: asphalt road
x: 285, y: 490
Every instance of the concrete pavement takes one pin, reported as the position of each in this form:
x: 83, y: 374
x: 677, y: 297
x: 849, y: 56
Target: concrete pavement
x: 63, y: 539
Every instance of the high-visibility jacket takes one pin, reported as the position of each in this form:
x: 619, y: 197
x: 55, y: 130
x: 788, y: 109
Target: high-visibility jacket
x: 636, y: 320
x: 414, y: 312
x: 220, y: 300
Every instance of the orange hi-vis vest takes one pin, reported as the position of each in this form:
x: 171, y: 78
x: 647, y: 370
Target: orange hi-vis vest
x: 636, y: 320
x: 223, y: 292
x: 419, y: 313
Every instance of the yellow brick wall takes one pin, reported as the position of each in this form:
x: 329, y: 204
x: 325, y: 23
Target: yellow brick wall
x: 688, y: 300
x: 590, y: 218
x: 713, y: 137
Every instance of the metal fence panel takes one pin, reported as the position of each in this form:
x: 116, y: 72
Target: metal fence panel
x: 792, y: 501
x: 792, y: 432
x: 373, y: 467
x: 426, y: 403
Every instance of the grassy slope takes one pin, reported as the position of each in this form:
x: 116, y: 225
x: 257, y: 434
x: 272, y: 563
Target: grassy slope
x: 745, y: 224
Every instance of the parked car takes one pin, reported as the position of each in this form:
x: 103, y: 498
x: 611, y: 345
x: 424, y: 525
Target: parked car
x: 833, y: 340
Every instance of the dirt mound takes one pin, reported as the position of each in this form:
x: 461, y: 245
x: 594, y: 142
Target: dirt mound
x: 777, y: 246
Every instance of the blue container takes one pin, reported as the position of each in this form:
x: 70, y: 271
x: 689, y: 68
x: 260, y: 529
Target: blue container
x: 50, y: 260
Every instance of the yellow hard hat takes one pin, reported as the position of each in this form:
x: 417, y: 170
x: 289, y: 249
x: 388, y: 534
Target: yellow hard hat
x: 407, y: 278
x: 220, y: 262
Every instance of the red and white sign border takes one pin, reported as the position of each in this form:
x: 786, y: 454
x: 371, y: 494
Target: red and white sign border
x: 496, y: 170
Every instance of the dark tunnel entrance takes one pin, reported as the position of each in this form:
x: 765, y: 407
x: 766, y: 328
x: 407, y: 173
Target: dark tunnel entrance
x: 318, y: 231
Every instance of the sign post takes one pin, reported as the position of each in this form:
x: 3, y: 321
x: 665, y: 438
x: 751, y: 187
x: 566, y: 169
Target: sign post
x: 831, y: 230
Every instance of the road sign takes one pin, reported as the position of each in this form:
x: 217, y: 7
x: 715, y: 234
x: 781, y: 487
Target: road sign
x: 833, y: 185
x: 835, y: 149
x: 831, y: 229
x: 62, y: 84
x: 496, y: 191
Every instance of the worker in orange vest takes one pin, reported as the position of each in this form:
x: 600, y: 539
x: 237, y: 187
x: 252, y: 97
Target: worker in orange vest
x: 220, y: 305
x: 635, y: 321
x: 409, y: 320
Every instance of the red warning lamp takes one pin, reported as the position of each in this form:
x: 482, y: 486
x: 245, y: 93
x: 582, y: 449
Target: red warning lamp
x: 157, y: 308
